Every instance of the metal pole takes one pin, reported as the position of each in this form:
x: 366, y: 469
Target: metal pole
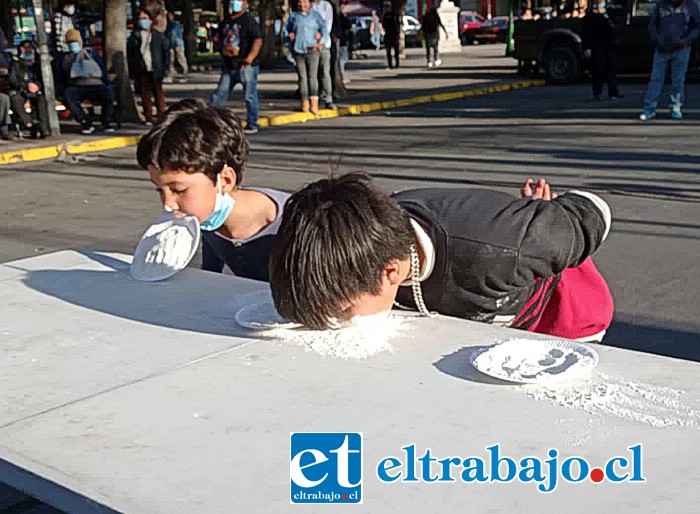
x: 46, y: 72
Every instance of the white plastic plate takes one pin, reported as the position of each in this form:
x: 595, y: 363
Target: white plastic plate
x: 154, y: 260
x: 529, y: 361
x: 262, y: 316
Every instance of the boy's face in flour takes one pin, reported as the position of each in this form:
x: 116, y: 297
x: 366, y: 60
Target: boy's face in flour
x: 367, y: 304
x: 191, y: 193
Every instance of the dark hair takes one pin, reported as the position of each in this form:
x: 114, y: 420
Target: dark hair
x: 144, y: 11
x: 193, y: 137
x: 336, y: 237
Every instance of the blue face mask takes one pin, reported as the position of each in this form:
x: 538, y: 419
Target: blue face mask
x: 74, y: 47
x: 27, y: 57
x: 145, y: 24
x: 236, y: 6
x: 222, y: 209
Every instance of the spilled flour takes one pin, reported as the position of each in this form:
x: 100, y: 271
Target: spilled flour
x: 645, y: 403
x: 361, y: 338
x: 536, y: 360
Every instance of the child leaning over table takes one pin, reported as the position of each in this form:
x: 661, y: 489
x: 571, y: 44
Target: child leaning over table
x: 345, y: 248
x: 196, y: 156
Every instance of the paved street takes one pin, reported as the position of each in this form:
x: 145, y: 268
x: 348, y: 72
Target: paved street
x: 647, y: 172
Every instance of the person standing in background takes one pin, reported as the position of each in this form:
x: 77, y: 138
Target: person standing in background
x: 390, y: 23
x: 177, y: 47
x: 240, y: 40
x: 148, y: 55
x: 431, y: 28
x: 376, y: 31
x: 345, y: 29
x: 326, y: 10
x: 599, y: 35
x: 62, y: 23
x: 673, y: 25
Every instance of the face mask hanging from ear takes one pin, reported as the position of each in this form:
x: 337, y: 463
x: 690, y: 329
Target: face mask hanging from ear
x: 222, y: 209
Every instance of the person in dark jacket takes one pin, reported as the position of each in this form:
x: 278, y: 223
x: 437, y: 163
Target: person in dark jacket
x: 81, y: 76
x: 390, y: 24
x: 148, y: 54
x: 344, y: 248
x: 26, y: 85
x: 673, y: 26
x: 431, y: 29
x: 600, y: 37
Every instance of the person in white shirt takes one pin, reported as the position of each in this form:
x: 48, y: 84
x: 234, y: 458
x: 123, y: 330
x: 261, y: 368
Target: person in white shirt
x: 325, y: 9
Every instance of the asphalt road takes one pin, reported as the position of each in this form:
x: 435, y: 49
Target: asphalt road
x: 648, y: 172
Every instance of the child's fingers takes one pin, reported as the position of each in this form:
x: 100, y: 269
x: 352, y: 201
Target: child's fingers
x: 546, y: 194
x: 526, y: 190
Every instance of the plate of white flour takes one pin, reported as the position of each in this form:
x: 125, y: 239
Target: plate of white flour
x: 528, y: 361
x: 166, y: 247
x: 262, y: 316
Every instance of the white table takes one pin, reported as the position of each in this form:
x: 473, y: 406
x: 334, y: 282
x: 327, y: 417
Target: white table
x: 144, y: 398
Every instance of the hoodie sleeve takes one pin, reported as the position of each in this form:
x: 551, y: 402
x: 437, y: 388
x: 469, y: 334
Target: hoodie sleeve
x: 654, y: 23
x: 561, y: 233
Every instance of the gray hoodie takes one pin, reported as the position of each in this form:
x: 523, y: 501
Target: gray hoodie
x: 674, y: 26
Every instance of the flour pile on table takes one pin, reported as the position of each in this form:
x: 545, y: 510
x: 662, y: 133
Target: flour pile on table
x: 645, y: 403
x: 364, y: 337
x: 169, y: 249
x: 528, y: 360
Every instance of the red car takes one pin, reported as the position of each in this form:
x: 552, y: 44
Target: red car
x: 470, y: 28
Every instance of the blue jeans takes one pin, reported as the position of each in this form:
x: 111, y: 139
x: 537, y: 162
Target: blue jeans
x: 678, y: 60
x: 228, y: 80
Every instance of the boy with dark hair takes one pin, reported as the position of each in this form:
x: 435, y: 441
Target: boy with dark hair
x: 196, y: 156
x: 345, y: 248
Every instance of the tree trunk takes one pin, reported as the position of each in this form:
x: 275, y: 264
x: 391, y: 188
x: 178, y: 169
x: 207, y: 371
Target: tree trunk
x: 266, y: 10
x: 46, y: 72
x: 6, y: 22
x: 115, y: 59
x: 220, y: 9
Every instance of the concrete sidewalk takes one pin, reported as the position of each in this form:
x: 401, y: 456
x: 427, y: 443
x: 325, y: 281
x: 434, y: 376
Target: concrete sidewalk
x: 372, y: 88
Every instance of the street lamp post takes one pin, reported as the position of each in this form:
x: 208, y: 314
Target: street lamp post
x: 45, y: 62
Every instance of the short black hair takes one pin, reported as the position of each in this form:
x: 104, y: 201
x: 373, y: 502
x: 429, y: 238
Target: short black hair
x: 335, y: 239
x: 193, y: 137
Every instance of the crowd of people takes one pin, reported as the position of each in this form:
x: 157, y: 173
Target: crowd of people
x: 316, y: 35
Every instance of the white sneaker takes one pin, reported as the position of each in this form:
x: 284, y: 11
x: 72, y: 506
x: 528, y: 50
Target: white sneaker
x: 167, y: 80
x: 88, y: 130
x: 346, y: 81
x: 438, y: 62
x: 430, y: 65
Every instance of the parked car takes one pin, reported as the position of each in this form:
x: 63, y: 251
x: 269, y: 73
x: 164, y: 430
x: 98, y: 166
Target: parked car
x: 469, y: 23
x: 411, y: 27
x: 362, y: 37
x: 500, y: 25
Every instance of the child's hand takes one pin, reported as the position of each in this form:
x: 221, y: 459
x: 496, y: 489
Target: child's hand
x: 539, y: 190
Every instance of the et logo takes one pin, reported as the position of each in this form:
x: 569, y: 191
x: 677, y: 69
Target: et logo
x: 325, y: 467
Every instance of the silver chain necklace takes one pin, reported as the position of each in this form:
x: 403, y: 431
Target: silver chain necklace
x: 415, y: 286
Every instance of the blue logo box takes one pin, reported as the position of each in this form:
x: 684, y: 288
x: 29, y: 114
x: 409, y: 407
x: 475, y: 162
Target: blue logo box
x: 325, y: 467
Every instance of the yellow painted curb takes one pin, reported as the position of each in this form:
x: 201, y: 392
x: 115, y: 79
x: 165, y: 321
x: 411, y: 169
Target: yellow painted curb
x: 51, y: 152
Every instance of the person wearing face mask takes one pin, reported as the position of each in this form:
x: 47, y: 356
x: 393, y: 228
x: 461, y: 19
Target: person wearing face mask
x: 26, y: 85
x: 673, y: 25
x: 306, y: 32
x: 196, y: 156
x: 148, y: 56
x: 62, y: 23
x: 240, y: 40
x: 83, y: 76
x: 600, y: 37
